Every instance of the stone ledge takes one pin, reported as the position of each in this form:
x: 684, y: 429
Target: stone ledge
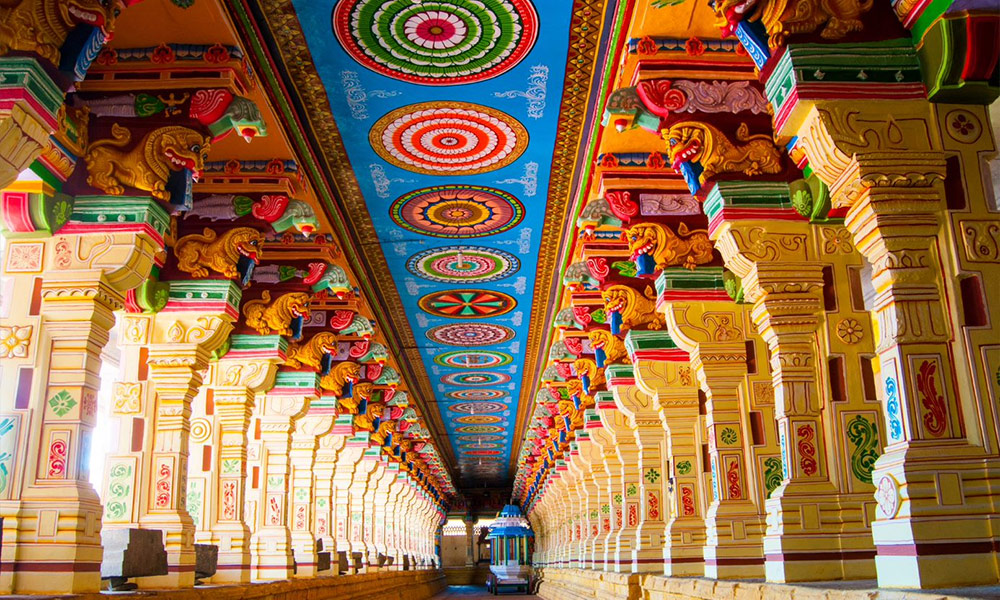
x: 585, y: 584
x: 388, y: 585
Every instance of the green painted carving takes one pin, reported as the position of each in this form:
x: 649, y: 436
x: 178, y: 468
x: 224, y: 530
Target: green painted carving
x: 625, y: 268
x: 62, y: 403
x: 119, y: 492
x: 652, y: 475
x: 811, y: 199
x: 631, y: 490
x: 863, y: 434
x: 772, y: 474
x: 728, y: 436
x: 684, y: 467
x: 733, y: 285
x: 152, y: 295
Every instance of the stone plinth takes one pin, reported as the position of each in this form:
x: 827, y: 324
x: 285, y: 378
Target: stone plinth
x: 133, y: 553
x: 206, y: 560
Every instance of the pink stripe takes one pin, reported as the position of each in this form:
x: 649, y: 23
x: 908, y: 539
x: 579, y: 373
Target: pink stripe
x: 76, y: 227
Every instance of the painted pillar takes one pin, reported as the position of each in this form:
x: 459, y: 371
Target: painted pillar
x: 644, y: 493
x: 315, y: 424
x: 279, y: 411
x: 613, y: 425
x: 323, y: 496
x: 235, y: 380
x: 384, y: 501
x: 662, y: 371
x: 195, y: 322
x: 734, y: 522
x: 360, y: 511
x: 52, y: 344
x: 28, y: 114
x: 905, y: 203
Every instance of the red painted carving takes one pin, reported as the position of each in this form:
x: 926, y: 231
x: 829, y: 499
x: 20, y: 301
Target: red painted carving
x: 936, y: 417
x: 163, y: 486
x: 733, y: 478
x: 359, y: 348
x: 316, y: 270
x: 621, y: 205
x: 373, y: 371
x: 574, y: 345
x: 807, y: 450
x: 208, y: 106
x: 57, y: 459
x: 229, y: 499
x: 598, y: 267
x: 660, y: 98
x: 607, y: 524
x: 582, y: 315
x: 652, y: 506
x: 565, y: 370
x: 270, y: 208
x: 656, y: 161
x: 687, y: 500
x: 340, y: 319
x: 274, y: 510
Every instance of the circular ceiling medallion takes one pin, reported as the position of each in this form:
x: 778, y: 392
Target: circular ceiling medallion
x: 439, y: 42
x: 482, y: 446
x: 473, y: 359
x: 467, y: 304
x: 479, y: 420
x: 452, y: 211
x: 448, y: 138
x: 463, y: 264
x: 470, y: 334
x: 479, y: 407
x: 478, y: 438
x: 475, y: 395
x: 482, y: 452
x: 476, y: 379
x: 479, y: 429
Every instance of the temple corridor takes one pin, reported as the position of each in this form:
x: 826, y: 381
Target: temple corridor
x: 577, y: 299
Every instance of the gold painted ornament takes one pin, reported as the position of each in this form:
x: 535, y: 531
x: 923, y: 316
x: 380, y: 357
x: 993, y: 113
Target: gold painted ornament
x: 221, y: 253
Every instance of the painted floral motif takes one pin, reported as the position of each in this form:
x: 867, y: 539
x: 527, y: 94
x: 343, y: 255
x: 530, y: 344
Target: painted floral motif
x: 58, y: 452
x: 887, y: 496
x: 733, y: 479
x: 633, y: 514
x: 807, y: 449
x: 684, y: 467
x: 653, y: 506
x: 728, y: 436
x: 892, y: 409
x: 850, y: 331
x: 164, y: 486
x: 452, y: 211
x: 229, y: 499
x: 936, y: 418
x: 119, y: 492
x: 475, y: 395
x: 448, y: 138
x: 617, y: 498
x: 470, y: 334
x: 463, y: 264
x: 476, y: 359
x: 863, y: 434
x: 62, y: 403
x: 14, y: 341
x: 445, y: 42
x: 478, y: 407
x: 476, y: 379
x: 467, y: 304
x: 652, y: 476
x: 772, y: 474
x: 631, y: 490
x: 687, y: 500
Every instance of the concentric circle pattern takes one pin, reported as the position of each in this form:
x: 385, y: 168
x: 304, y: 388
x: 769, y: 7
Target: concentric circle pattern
x: 467, y: 304
x: 463, y: 264
x: 480, y: 438
x: 475, y: 395
x: 451, y: 211
x: 448, y: 138
x: 470, y: 334
x: 478, y: 378
x: 474, y: 359
x: 436, y: 42
x: 479, y: 408
x: 479, y: 429
x: 482, y: 452
x: 479, y: 420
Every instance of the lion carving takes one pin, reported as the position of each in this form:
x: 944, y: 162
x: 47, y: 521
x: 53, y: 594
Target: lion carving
x: 782, y: 18
x: 614, y: 348
x: 275, y: 317
x: 634, y: 309
x: 366, y: 420
x: 340, y: 375
x: 692, y: 141
x: 41, y: 26
x: 310, y: 354
x: 668, y: 249
x: 221, y: 253
x: 147, y: 166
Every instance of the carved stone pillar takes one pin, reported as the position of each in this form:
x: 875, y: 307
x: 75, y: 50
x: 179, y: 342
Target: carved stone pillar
x: 271, y: 551
x: 644, y: 493
x: 309, y: 428
x: 360, y: 511
x: 662, y: 371
x: 235, y: 382
x: 323, y: 469
x: 28, y: 114
x: 734, y: 525
x: 383, y: 501
x: 347, y: 460
x: 51, y: 361
x: 613, y: 422
x: 886, y: 166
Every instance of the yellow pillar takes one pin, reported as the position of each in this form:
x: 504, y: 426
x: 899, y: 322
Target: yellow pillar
x: 315, y: 424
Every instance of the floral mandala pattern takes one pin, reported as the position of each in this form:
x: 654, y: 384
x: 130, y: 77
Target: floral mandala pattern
x: 475, y: 379
x: 457, y: 211
x: 470, y: 334
x: 467, y: 304
x: 439, y: 42
x: 448, y: 138
x: 479, y: 408
x: 479, y: 429
x: 477, y: 359
x: 463, y: 264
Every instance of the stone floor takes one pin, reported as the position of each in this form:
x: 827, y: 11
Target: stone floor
x: 475, y: 592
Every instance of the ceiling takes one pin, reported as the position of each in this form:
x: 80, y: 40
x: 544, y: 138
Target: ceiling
x: 449, y: 112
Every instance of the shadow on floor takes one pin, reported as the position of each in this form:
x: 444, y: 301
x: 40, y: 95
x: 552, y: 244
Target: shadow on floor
x: 471, y: 592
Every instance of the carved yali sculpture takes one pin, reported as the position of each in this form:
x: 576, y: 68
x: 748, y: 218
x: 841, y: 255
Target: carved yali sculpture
x: 608, y: 349
x: 695, y: 142
x: 630, y: 309
x: 221, y: 253
x: 41, y: 26
x: 782, y: 18
x: 340, y: 375
x: 668, y: 249
x: 148, y: 166
x: 270, y: 318
x: 310, y: 354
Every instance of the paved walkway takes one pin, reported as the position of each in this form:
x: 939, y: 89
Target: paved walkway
x: 476, y: 592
